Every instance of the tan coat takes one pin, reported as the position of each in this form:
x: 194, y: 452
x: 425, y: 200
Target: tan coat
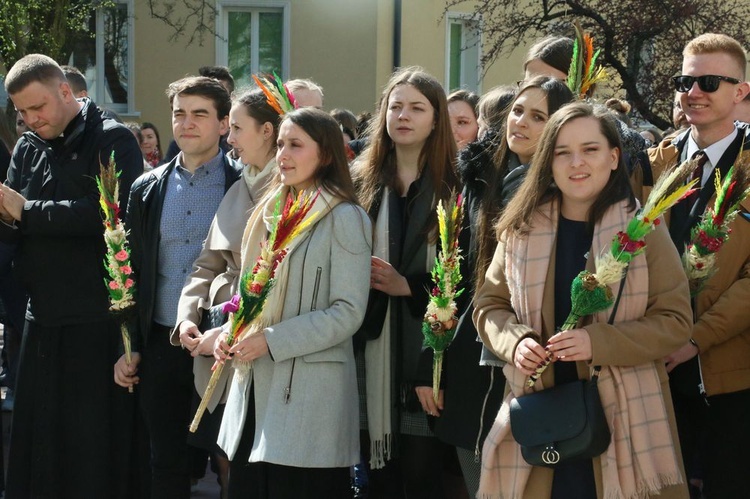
x: 722, y: 330
x: 664, y: 328
x: 216, y: 274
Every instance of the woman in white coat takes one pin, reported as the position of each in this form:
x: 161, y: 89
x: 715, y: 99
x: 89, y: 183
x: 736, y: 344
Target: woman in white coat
x: 294, y: 415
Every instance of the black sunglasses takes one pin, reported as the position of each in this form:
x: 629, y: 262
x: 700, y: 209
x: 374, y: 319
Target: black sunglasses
x: 707, y: 83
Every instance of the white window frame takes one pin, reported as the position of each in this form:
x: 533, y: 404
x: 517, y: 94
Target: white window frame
x: 222, y: 24
x: 462, y: 18
x: 100, y: 80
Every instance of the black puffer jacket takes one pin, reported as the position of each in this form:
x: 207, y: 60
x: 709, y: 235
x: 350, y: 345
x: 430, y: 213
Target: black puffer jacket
x: 60, y: 236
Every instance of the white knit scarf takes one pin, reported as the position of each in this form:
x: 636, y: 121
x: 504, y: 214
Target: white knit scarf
x: 379, y: 384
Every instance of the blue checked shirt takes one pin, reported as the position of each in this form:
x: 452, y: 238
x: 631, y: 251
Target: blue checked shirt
x: 190, y: 204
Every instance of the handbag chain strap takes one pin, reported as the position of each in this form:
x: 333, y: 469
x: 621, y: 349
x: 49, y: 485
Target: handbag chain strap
x: 611, y: 320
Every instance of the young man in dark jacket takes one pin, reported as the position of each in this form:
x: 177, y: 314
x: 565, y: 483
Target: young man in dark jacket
x: 170, y: 212
x: 64, y: 423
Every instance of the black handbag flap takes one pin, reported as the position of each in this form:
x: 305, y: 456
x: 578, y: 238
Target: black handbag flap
x: 552, y: 415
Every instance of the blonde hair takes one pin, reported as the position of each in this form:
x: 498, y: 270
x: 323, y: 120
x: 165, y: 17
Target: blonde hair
x: 712, y: 43
x: 304, y: 84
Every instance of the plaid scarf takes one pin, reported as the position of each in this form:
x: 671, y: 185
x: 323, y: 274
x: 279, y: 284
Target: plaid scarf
x: 641, y: 458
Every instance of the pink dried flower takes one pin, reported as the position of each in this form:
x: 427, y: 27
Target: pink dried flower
x: 128, y: 283
x: 232, y: 305
x: 125, y: 269
x: 113, y: 285
x: 121, y: 256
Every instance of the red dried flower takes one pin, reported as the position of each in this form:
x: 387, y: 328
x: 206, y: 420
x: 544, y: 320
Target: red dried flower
x: 628, y: 245
x: 712, y: 244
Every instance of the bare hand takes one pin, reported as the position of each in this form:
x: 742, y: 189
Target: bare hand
x: 190, y: 336
x: 385, y: 278
x: 125, y: 374
x: 427, y: 400
x: 683, y: 354
x: 206, y: 342
x: 4, y: 215
x: 221, y: 348
x: 529, y: 355
x: 571, y: 345
x: 252, y: 346
x: 12, y: 203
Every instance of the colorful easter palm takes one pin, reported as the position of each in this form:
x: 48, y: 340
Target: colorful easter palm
x: 120, y: 285
x: 439, y: 324
x: 256, y: 282
x: 707, y: 238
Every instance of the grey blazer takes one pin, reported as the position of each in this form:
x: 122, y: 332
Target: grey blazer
x: 305, y: 397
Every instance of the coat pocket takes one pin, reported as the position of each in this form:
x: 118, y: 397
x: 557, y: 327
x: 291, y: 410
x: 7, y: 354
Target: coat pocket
x: 335, y: 354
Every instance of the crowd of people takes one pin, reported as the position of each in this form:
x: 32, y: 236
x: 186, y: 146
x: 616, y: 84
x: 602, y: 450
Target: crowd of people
x: 329, y: 393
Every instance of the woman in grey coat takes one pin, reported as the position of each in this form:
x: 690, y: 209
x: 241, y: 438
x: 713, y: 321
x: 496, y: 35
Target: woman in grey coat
x: 293, y: 415
x: 253, y: 128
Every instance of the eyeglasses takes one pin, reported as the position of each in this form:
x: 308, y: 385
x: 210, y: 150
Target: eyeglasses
x: 707, y: 83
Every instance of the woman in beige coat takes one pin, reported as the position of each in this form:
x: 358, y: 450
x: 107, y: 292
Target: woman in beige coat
x: 253, y: 131
x: 574, y: 200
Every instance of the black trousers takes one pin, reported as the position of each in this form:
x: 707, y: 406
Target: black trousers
x: 726, y: 443
x: 418, y: 473
x: 166, y: 390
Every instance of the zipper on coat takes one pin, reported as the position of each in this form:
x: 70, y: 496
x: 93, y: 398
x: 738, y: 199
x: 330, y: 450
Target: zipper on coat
x: 314, y: 304
x: 288, y: 389
x: 701, y: 386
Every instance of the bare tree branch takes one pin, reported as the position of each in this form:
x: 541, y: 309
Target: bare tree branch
x: 641, y: 40
x: 195, y: 19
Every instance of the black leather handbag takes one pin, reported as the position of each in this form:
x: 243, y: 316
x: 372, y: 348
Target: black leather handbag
x: 563, y: 423
x: 212, y: 318
x: 560, y: 424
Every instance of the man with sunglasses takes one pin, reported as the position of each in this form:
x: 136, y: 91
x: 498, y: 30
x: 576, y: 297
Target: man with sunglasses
x: 710, y: 375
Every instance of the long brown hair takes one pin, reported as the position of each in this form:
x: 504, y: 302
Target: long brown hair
x: 558, y: 95
x: 333, y: 171
x: 538, y: 187
x: 377, y: 166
